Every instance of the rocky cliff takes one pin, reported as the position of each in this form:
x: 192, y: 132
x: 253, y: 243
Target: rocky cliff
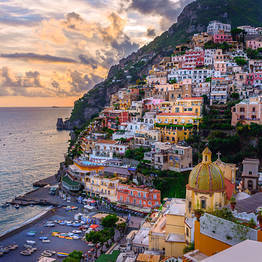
x: 194, y: 18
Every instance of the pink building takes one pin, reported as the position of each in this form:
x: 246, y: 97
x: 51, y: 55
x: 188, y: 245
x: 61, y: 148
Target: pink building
x: 247, y: 111
x: 254, y: 44
x: 220, y: 66
x: 222, y: 37
x: 152, y: 104
x: 193, y: 58
x: 254, y: 79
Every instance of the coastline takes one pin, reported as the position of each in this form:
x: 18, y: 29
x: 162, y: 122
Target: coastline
x: 29, y: 198
x: 14, y: 230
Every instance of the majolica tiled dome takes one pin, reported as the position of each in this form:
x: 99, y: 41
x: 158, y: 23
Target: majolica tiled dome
x: 206, y: 176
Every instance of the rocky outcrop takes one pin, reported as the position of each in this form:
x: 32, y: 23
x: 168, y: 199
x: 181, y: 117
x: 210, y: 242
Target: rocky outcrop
x: 63, y: 125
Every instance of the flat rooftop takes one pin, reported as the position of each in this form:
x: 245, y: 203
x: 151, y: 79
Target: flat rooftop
x: 248, y: 250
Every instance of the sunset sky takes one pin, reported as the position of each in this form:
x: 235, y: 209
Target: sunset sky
x: 52, y: 52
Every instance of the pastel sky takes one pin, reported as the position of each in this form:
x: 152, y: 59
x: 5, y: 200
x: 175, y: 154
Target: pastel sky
x: 52, y: 52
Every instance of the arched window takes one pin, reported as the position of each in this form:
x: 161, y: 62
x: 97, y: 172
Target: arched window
x: 203, y: 203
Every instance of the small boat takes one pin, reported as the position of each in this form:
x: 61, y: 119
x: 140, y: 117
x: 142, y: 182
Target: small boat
x: 31, y: 233
x: 5, y: 205
x: 46, y: 241
x: 17, y: 206
x: 13, y: 247
x: 6, y: 250
x: 61, y: 254
x: 25, y: 253
x: 43, y: 238
x: 30, y: 242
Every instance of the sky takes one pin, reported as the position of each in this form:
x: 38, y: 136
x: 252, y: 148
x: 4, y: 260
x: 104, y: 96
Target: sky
x: 52, y: 52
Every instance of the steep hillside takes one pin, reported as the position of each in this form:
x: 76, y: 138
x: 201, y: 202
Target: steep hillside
x: 194, y: 18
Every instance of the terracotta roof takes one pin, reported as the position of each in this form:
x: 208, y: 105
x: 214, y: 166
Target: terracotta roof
x: 106, y: 141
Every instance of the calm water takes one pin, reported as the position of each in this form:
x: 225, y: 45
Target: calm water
x: 30, y: 149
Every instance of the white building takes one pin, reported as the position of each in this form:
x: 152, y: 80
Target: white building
x: 196, y: 75
x: 215, y: 26
x: 250, y: 30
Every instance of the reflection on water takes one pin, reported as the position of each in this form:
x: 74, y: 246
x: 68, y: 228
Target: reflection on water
x: 30, y: 149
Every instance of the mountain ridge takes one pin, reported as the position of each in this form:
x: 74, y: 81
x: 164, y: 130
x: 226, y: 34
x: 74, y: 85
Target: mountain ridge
x: 193, y: 19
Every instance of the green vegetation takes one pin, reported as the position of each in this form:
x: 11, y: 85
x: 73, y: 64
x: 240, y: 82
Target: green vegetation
x: 74, y: 256
x: 189, y: 247
x: 137, y: 154
x: 240, y: 61
x: 109, y: 221
x: 254, y: 54
x: 110, y: 257
x: 211, y: 45
x: 100, y: 236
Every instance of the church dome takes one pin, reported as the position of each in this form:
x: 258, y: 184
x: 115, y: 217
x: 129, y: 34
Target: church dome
x: 206, y: 177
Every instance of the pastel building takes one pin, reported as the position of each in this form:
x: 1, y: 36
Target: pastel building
x: 139, y: 196
x: 101, y: 186
x: 247, y: 111
x: 222, y: 37
x: 215, y: 26
x: 254, y: 44
x: 206, y: 187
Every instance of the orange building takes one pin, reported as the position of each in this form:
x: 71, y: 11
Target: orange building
x: 140, y: 196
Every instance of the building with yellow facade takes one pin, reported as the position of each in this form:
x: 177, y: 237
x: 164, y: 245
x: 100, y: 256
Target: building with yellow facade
x: 185, y: 105
x: 167, y: 234
x: 176, y: 127
x: 174, y: 227
x: 206, y: 187
x: 101, y: 186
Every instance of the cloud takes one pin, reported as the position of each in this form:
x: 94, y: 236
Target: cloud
x: 167, y: 9
x: 151, y: 32
x: 33, y: 56
x: 17, y: 16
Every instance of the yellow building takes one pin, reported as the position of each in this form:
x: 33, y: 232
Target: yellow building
x: 173, y: 134
x: 178, y: 118
x: 206, y: 187
x: 167, y: 234
x: 176, y: 127
x: 98, y: 185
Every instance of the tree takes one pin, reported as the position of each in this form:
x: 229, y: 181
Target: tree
x: 109, y: 221
x: 74, y: 256
x: 240, y: 61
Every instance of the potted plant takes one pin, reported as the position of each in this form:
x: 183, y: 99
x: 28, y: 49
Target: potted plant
x: 233, y: 203
x: 198, y: 213
x: 259, y: 219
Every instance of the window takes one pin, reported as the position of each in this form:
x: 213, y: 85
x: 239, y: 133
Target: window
x: 250, y: 184
x: 189, y: 206
x: 250, y: 172
x: 203, y: 203
x: 155, y: 197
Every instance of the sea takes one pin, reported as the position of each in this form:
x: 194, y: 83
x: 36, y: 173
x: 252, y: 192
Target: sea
x: 30, y: 149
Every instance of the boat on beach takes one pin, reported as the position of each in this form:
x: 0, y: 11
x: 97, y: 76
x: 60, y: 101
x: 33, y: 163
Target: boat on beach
x: 17, y: 206
x: 62, y: 254
x: 5, y: 205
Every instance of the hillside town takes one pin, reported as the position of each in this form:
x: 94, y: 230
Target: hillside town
x: 129, y: 153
